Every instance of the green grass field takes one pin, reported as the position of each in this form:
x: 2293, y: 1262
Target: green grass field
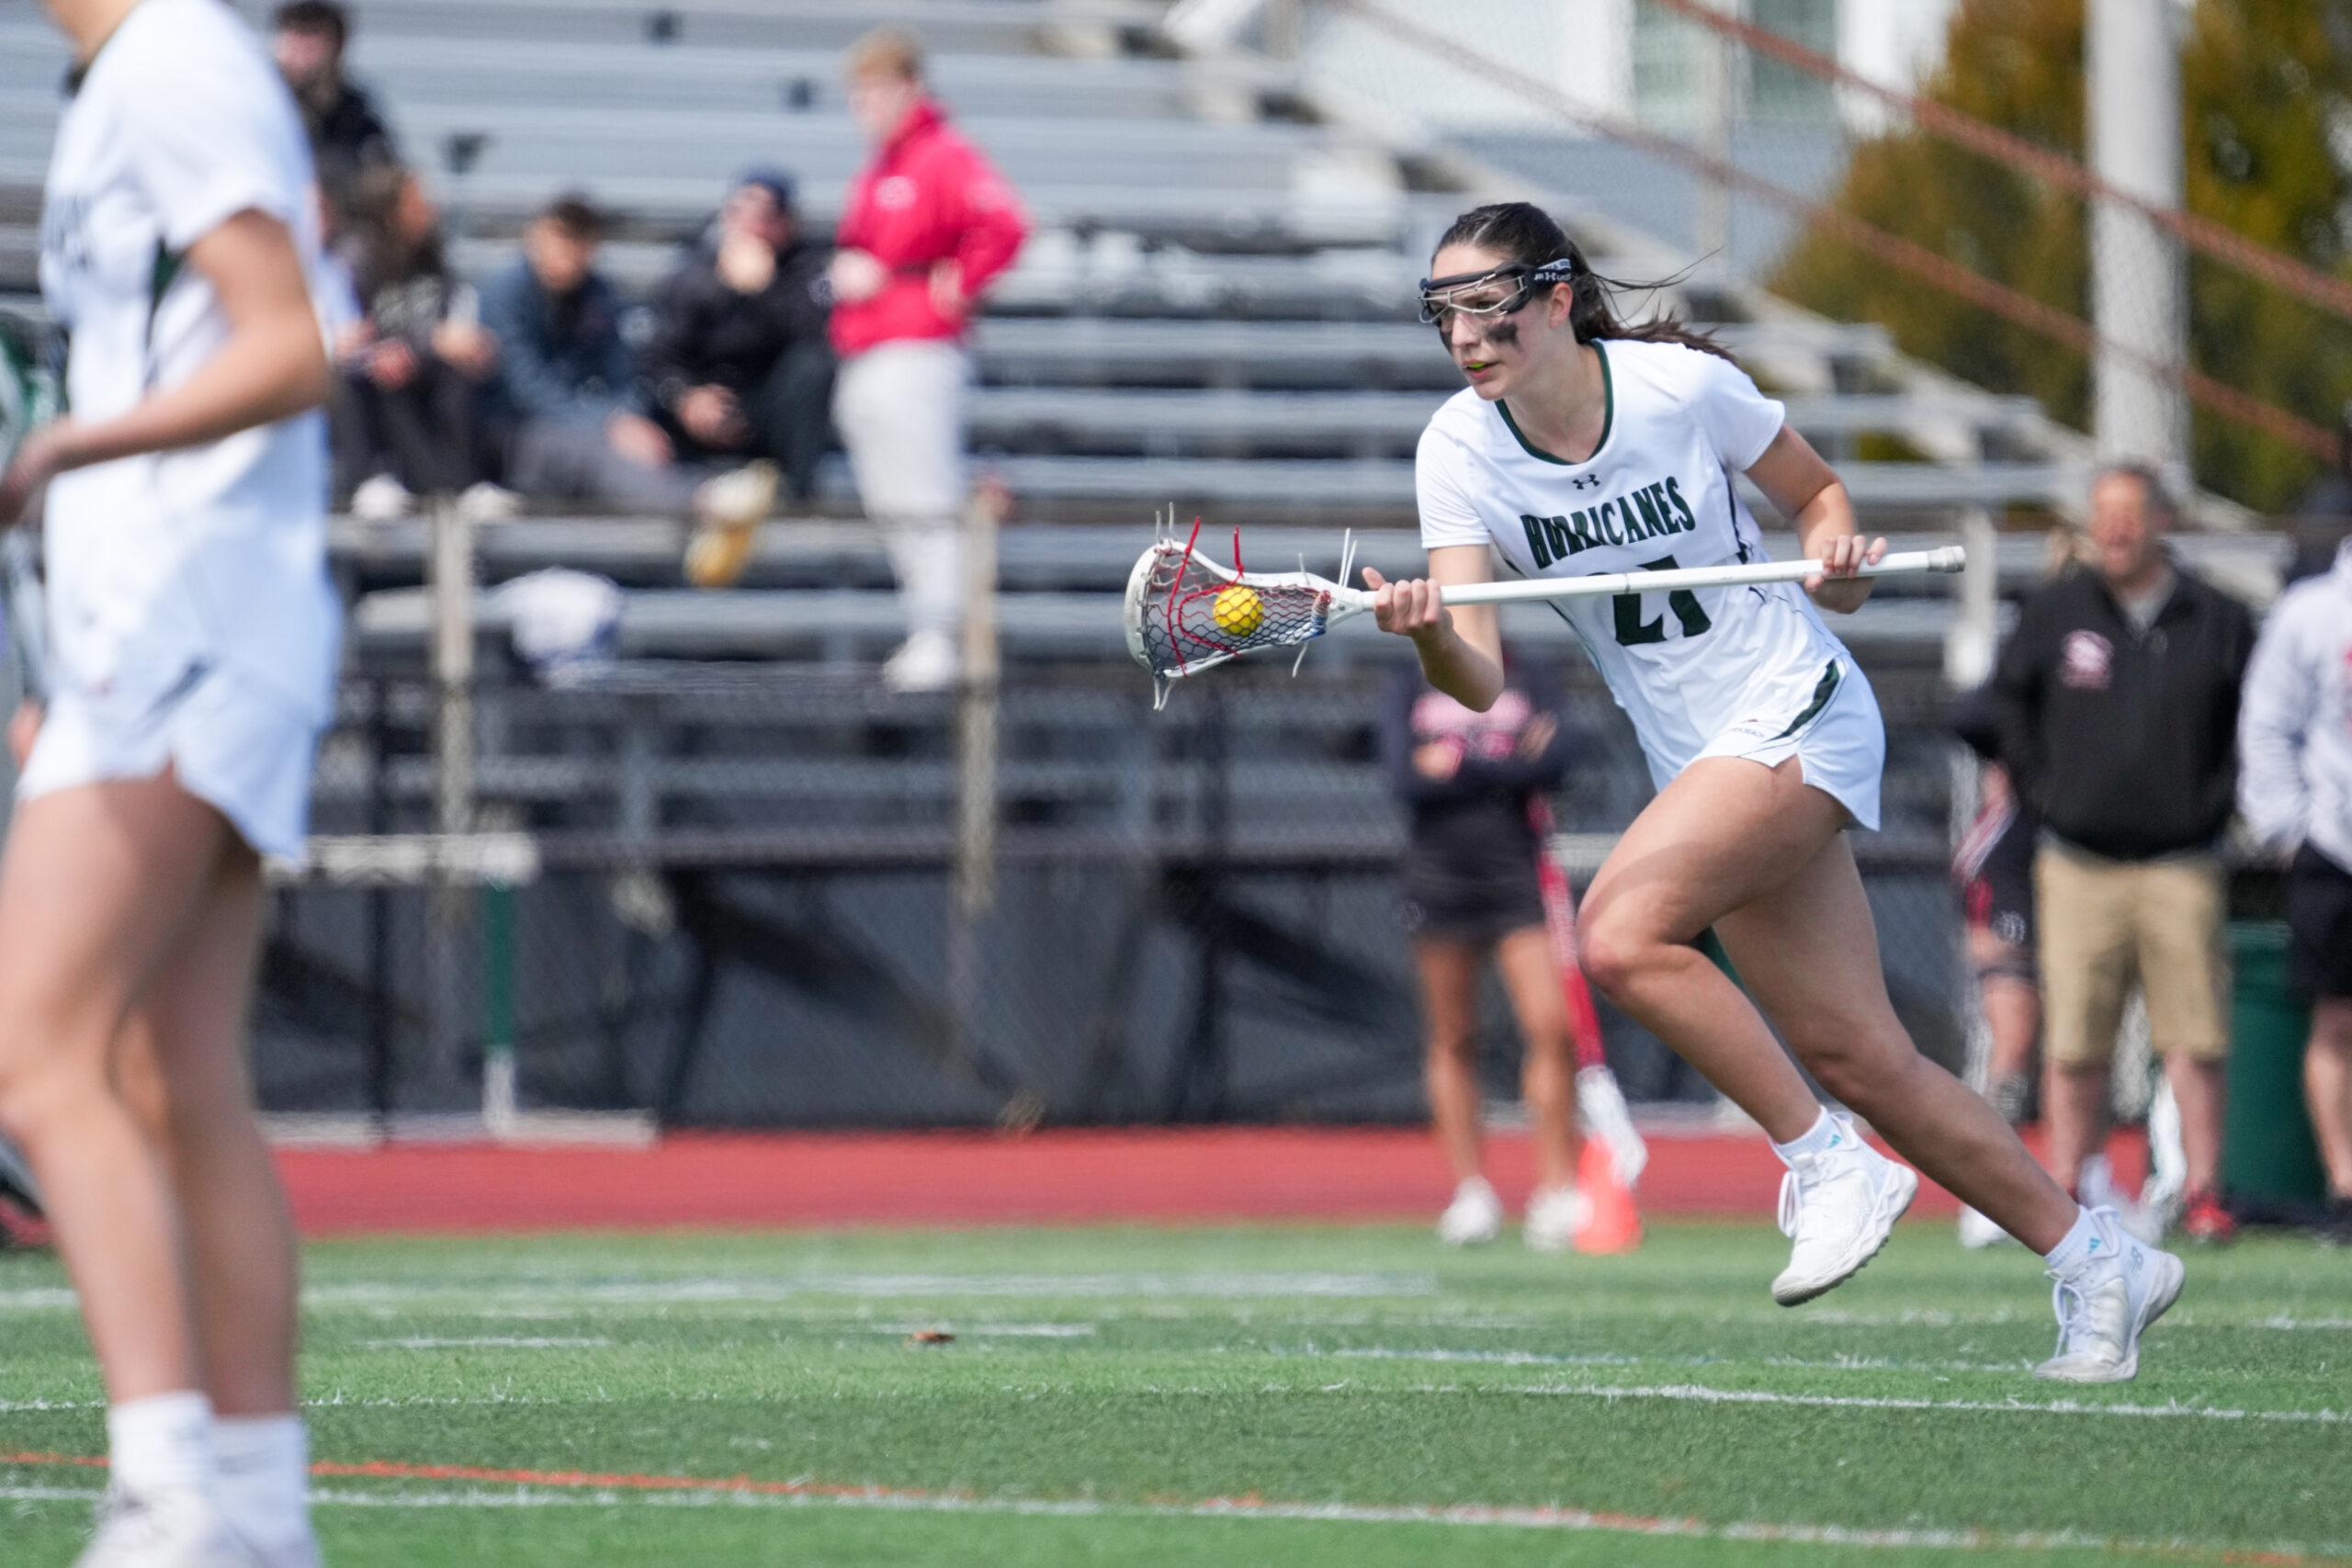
x: 1301, y: 1396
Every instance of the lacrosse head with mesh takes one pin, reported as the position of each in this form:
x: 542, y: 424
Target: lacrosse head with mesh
x: 1186, y: 613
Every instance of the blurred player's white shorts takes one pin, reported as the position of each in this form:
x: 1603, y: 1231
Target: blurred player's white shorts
x: 243, y: 751
x: 1842, y: 749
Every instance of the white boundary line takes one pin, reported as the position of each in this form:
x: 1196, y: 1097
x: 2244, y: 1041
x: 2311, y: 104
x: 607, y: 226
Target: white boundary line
x: 1460, y: 1516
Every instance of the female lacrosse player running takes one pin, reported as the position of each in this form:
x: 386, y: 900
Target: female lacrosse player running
x: 192, y: 638
x: 1585, y: 445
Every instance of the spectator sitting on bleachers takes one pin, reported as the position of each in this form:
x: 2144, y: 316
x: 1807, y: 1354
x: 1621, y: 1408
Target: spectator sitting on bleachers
x: 347, y: 136
x: 739, y: 364
x: 408, y: 398
x: 568, y: 387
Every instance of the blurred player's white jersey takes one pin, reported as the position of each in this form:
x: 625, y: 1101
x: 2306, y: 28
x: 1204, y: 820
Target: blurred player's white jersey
x: 213, y: 557
x: 1720, y: 669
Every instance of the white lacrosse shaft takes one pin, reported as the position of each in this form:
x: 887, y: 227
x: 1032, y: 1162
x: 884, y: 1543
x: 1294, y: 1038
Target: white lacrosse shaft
x: 1945, y: 558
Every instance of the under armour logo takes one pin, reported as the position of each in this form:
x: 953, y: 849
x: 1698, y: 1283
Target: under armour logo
x: 1579, y: 481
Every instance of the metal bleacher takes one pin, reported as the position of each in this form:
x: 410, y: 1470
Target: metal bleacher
x: 1216, y: 314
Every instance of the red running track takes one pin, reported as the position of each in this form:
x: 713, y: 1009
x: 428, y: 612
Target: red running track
x: 815, y: 1180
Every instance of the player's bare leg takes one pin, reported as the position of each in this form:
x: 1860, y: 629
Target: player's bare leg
x: 97, y: 887
x: 1449, y: 1005
x: 240, y: 1237
x: 2327, y: 1089
x: 1548, y: 1068
x: 1808, y: 949
x: 189, y: 1037
x: 1694, y: 853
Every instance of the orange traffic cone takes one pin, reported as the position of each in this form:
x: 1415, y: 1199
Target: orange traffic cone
x: 1614, y: 1224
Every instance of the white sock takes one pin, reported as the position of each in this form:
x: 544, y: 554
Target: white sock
x: 163, y: 1443
x: 265, y: 1477
x: 2085, y: 1243
x: 1827, y: 1133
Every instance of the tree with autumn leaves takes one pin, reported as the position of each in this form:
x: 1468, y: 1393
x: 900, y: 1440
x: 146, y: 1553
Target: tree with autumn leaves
x: 2268, y: 125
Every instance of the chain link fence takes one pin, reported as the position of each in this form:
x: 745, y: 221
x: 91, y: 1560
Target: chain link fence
x: 726, y: 895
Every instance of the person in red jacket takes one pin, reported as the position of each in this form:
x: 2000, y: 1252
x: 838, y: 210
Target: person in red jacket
x: 927, y: 224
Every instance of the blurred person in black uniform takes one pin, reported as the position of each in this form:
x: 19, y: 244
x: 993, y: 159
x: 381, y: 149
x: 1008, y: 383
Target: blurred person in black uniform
x: 1472, y: 887
x: 738, y: 365
x: 407, y: 403
x: 347, y: 136
x: 568, y: 395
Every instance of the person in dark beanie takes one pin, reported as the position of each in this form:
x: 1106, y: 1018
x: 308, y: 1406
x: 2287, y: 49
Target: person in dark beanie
x: 739, y: 366
x: 347, y: 135
x: 2118, y: 704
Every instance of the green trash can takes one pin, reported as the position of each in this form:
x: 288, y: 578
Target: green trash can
x: 2267, y: 1150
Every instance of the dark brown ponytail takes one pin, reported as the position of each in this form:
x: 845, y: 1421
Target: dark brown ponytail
x: 1525, y: 234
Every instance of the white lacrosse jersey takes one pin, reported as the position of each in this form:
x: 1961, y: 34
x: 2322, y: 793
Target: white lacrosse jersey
x: 1688, y: 667
x: 213, y: 557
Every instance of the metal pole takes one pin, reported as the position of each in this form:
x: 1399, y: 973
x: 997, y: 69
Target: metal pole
x: 1717, y: 89
x: 453, y: 793
x: 2138, y: 288
x: 973, y: 892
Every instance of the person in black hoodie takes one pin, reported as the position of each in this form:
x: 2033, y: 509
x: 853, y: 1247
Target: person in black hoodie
x: 738, y: 365
x: 2117, y: 699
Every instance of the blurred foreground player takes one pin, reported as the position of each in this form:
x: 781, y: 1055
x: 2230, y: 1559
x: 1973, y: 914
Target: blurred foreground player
x: 1472, y: 886
x: 2295, y: 737
x: 1584, y: 444
x: 192, y: 639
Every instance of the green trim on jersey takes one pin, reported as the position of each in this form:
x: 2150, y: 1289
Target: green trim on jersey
x: 1822, y: 692
x: 1608, y: 417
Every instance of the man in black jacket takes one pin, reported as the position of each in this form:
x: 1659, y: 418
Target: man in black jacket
x: 347, y: 135
x: 739, y: 364
x: 2118, y: 704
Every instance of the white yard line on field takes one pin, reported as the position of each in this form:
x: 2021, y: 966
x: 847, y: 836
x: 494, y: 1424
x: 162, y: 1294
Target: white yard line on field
x: 1471, y: 1515
x: 487, y: 1342
x: 1702, y: 1394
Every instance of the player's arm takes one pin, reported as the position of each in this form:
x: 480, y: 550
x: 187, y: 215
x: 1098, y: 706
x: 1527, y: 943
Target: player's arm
x: 1807, y: 493
x: 1461, y: 649
x: 272, y: 366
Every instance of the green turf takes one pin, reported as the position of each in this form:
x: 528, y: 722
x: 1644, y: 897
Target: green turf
x: 1103, y: 1386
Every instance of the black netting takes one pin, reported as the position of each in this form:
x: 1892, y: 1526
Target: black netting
x: 1191, y: 615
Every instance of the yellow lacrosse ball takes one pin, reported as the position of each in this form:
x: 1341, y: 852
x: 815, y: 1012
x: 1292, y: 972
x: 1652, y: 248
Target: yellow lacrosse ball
x: 1238, y: 611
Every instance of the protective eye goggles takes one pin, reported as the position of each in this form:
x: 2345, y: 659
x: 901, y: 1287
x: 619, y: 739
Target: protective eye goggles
x: 1461, y: 294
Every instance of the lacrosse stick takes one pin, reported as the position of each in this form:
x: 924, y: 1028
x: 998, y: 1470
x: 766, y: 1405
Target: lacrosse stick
x: 1186, y: 613
x: 1600, y: 1104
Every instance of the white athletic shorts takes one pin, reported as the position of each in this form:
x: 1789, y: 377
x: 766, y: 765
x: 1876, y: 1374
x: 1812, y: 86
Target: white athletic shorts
x: 240, y: 751
x: 1840, y: 743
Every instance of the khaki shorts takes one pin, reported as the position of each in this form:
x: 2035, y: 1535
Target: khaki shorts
x: 2107, y: 923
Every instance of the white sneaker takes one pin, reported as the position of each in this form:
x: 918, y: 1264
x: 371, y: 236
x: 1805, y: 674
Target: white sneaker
x: 927, y: 661
x: 486, y: 503
x: 2107, y: 1305
x: 1978, y: 1232
x: 382, y: 498
x: 1474, y: 1218
x: 172, y: 1530
x: 1555, y: 1216
x: 1839, y: 1207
